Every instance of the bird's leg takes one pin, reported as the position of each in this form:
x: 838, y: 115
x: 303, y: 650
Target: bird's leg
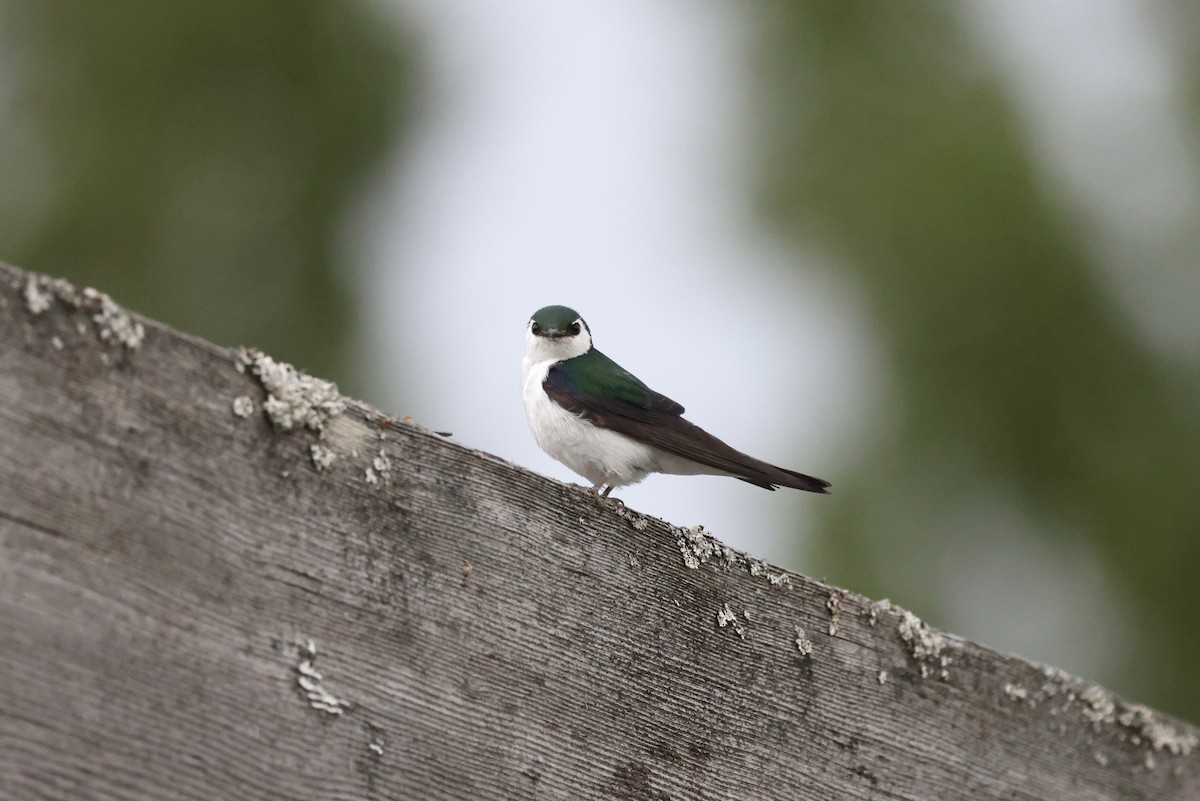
x: 595, y: 489
x: 616, y: 501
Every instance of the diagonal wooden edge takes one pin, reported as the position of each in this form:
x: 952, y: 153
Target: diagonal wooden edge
x: 221, y: 578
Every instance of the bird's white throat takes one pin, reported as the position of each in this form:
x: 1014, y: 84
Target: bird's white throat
x: 555, y: 349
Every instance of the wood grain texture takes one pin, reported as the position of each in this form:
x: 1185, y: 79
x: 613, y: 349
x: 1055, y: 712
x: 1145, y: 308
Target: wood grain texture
x: 191, y: 609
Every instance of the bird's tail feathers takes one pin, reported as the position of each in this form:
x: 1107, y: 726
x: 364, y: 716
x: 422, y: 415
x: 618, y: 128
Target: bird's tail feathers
x: 772, y: 477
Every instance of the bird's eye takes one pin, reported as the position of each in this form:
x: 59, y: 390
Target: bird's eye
x: 535, y: 328
x: 575, y: 329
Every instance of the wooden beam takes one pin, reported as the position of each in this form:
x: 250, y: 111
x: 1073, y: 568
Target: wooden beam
x: 221, y: 579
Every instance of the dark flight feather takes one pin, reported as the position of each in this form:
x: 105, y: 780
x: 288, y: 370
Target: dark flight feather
x: 608, y: 396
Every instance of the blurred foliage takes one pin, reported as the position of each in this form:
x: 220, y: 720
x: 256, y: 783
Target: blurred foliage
x: 893, y: 146
x: 196, y: 159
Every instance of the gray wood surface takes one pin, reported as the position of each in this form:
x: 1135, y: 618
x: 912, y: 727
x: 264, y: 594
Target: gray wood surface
x: 196, y: 604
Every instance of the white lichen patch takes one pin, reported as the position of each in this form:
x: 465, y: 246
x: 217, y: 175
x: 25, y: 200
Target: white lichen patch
x: 779, y: 579
x: 834, y: 605
x: 113, y: 323
x: 727, y: 617
x: 635, y: 520
x: 64, y: 290
x: 1135, y: 724
x: 882, y: 677
x: 309, y: 681
x: 320, y: 456
x: 1016, y: 692
x: 37, y: 298
x: 873, y: 611
x: 1160, y: 735
x: 382, y: 465
x: 699, y: 547
x: 294, y: 399
x: 243, y: 406
x: 1098, y: 705
x: 924, y: 644
x: 803, y: 644
x: 380, y: 470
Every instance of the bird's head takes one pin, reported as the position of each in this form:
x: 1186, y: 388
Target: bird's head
x: 556, y: 333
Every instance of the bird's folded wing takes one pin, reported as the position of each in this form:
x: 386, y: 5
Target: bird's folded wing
x: 656, y: 421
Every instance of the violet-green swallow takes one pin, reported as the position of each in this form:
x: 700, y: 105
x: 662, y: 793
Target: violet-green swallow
x: 598, y: 419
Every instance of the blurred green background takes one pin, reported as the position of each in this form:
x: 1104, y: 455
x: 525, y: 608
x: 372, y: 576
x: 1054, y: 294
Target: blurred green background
x: 197, y: 159
x: 200, y: 161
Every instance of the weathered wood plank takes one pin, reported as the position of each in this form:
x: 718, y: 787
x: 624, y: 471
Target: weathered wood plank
x: 190, y: 608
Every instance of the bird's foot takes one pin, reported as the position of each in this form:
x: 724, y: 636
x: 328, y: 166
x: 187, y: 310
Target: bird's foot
x: 615, y: 501
x: 595, y: 490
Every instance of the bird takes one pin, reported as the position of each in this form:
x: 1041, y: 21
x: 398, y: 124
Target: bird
x: 602, y: 422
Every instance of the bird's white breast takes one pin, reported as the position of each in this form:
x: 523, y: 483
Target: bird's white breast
x: 599, y: 455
